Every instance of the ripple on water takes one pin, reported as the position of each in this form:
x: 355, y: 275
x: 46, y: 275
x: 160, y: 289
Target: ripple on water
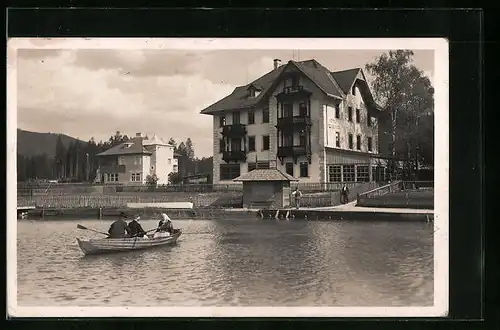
x: 233, y: 262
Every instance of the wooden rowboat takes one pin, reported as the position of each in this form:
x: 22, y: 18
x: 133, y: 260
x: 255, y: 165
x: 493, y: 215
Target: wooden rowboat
x: 109, y: 245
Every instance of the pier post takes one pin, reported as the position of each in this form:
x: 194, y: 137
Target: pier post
x: 99, y: 214
x: 42, y: 213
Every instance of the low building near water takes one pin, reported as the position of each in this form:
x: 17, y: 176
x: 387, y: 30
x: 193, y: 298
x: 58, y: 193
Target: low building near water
x: 266, y: 188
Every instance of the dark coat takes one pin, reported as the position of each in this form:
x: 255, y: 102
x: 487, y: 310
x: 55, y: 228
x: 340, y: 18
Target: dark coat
x: 118, y: 229
x: 135, y: 229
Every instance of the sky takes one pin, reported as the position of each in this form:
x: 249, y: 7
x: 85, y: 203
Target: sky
x: 88, y: 93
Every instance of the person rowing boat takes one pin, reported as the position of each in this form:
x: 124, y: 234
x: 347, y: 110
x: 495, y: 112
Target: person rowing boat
x: 136, y: 229
x: 119, y: 228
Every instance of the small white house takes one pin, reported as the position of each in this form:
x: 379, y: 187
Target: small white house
x: 132, y: 161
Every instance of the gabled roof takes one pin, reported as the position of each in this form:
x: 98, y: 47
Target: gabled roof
x: 334, y: 84
x: 135, y: 148
x: 155, y: 140
x: 239, y: 99
x: 346, y: 78
x: 265, y: 174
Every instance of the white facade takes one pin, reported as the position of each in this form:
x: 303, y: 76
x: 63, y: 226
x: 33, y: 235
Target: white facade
x: 325, y: 127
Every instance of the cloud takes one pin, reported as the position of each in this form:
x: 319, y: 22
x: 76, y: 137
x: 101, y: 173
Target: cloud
x: 59, y: 95
x: 85, y: 93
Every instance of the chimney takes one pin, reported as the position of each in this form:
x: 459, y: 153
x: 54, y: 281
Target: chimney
x: 277, y: 63
x: 138, y: 134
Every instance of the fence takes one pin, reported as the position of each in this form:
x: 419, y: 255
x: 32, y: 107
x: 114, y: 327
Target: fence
x: 60, y: 189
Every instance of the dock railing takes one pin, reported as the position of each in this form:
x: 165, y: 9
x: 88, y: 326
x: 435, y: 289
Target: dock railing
x: 388, y: 188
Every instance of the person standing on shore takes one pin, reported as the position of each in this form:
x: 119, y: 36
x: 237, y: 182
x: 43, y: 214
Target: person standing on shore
x: 119, y: 228
x: 297, y: 194
x: 344, y: 194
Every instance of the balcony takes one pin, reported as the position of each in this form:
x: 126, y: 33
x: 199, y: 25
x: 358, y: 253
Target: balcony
x: 293, y: 92
x: 234, y: 156
x: 235, y: 130
x: 295, y: 121
x: 112, y: 168
x: 294, y: 152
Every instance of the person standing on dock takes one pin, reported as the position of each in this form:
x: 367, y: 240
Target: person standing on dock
x: 344, y: 194
x: 135, y: 228
x: 297, y: 194
x: 119, y: 228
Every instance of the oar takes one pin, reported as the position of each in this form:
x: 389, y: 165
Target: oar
x: 96, y: 231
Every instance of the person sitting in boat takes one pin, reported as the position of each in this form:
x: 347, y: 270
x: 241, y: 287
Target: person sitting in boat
x: 119, y: 228
x: 165, y: 227
x: 135, y: 228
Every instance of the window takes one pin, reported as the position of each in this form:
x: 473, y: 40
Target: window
x: 358, y: 116
x: 222, y: 145
x: 236, y: 144
x: 379, y: 173
x: 121, y: 160
x: 370, y: 141
x: 113, y: 177
x: 287, y: 110
x: 350, y: 141
x: 137, y: 160
x: 368, y: 120
x: 349, y: 113
x: 302, y: 109
x: 287, y: 139
x: 136, y: 177
x: 302, y: 139
x: 362, y: 174
x: 236, y: 118
x: 265, y: 116
x: 251, y: 117
x: 337, y: 139
x: 289, y: 168
x: 337, y: 111
x: 349, y: 174
x: 354, y: 90
x: 170, y: 160
x: 263, y: 164
x: 334, y: 173
x: 251, y: 92
x: 304, y: 169
x: 251, y: 143
x: 358, y: 142
x: 222, y: 121
x: 229, y: 171
x: 265, y: 142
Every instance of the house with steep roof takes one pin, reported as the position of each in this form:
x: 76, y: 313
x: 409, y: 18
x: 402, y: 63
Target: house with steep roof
x: 319, y: 125
x: 132, y: 161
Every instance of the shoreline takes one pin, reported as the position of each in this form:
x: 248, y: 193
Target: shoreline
x: 352, y: 213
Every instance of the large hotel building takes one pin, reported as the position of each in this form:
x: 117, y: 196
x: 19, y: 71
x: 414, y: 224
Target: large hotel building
x: 319, y: 126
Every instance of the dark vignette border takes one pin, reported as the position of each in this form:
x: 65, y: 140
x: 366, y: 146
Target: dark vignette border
x: 461, y: 27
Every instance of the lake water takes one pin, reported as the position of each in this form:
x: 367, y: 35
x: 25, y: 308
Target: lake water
x: 232, y: 262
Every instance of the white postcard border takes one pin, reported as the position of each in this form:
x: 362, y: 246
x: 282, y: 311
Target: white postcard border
x: 441, y: 182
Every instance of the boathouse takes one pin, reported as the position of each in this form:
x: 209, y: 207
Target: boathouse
x: 266, y: 188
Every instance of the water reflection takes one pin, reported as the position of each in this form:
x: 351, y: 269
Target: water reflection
x: 233, y: 262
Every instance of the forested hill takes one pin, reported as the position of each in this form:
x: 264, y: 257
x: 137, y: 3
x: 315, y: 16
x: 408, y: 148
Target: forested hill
x: 35, y: 144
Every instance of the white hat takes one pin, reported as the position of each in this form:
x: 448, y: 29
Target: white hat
x: 137, y: 218
x: 164, y: 216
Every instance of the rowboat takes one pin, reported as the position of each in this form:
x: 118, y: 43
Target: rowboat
x: 109, y: 245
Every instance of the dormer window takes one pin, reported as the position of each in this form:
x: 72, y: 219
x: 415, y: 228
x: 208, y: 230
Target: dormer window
x: 127, y: 145
x: 253, y: 92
